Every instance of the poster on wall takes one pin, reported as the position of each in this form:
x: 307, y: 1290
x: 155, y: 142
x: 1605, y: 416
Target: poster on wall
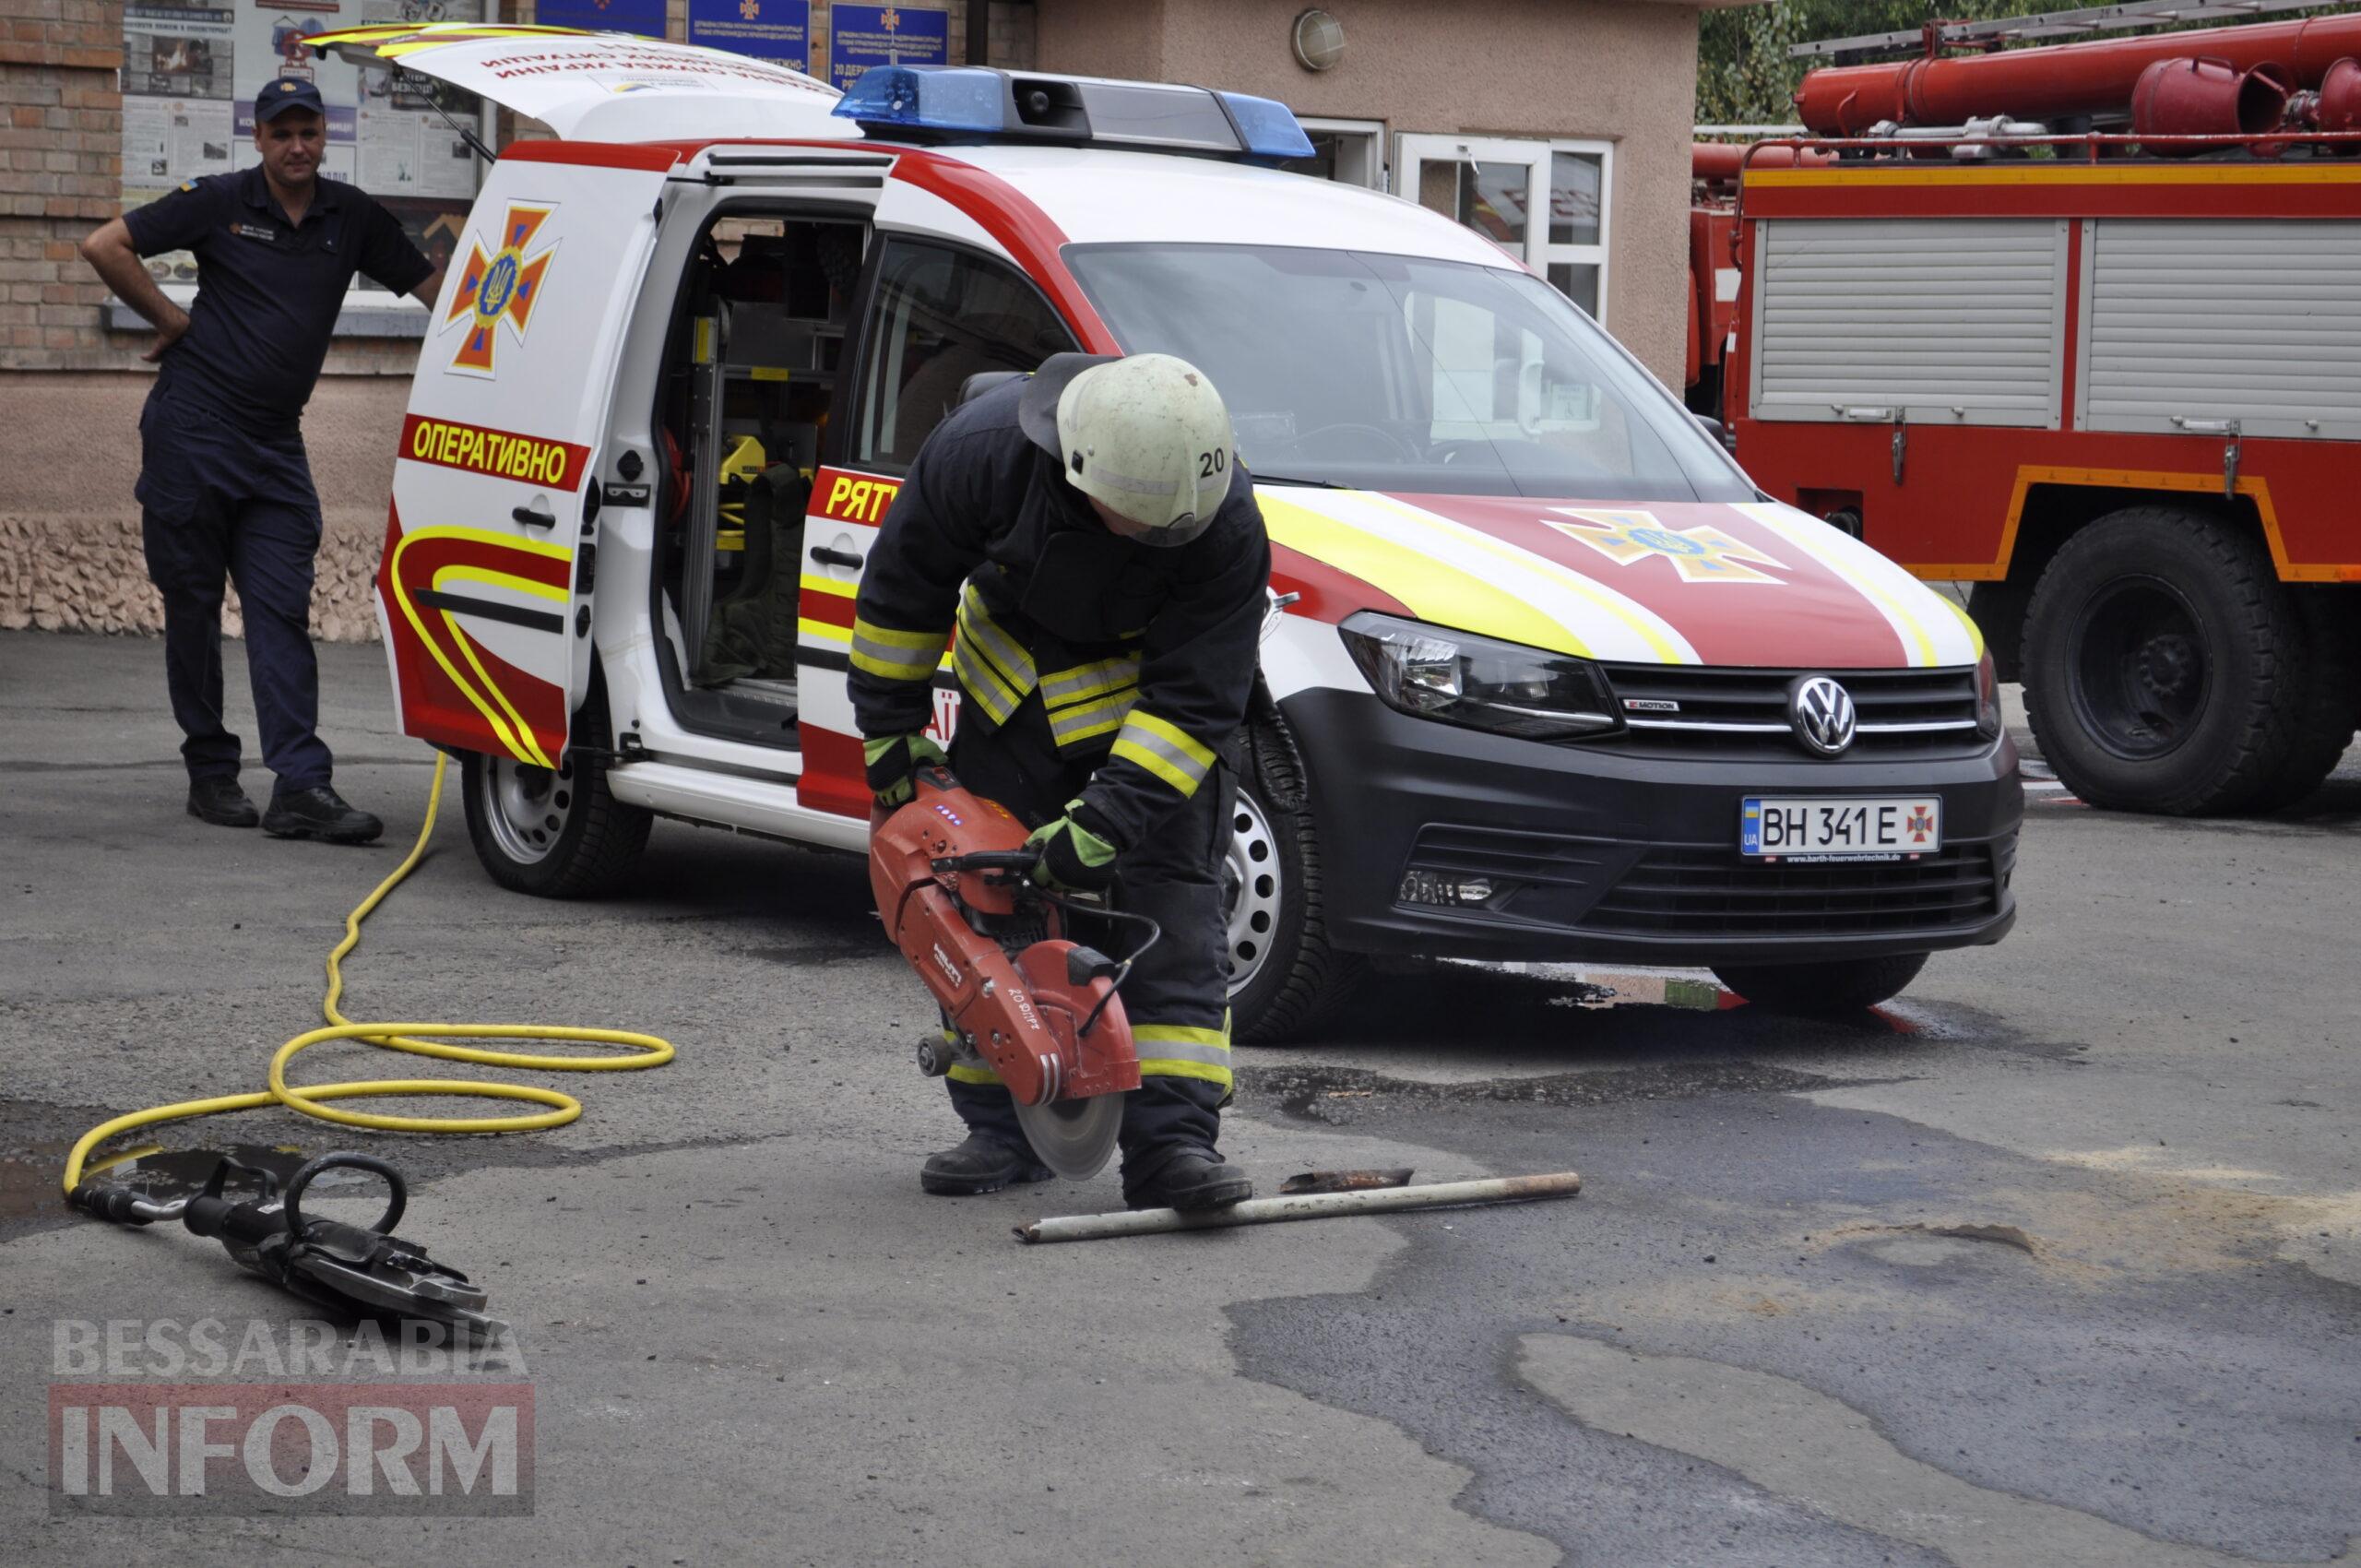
x: 767, y: 30
x: 645, y: 17
x: 862, y: 36
x: 179, y: 69
x: 190, y: 74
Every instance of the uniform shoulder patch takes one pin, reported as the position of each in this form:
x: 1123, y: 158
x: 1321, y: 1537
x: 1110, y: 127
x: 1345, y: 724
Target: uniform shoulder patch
x: 188, y: 184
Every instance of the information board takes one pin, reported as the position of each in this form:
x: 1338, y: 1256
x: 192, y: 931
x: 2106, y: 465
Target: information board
x: 645, y: 17
x: 862, y: 36
x: 191, y: 74
x: 767, y: 30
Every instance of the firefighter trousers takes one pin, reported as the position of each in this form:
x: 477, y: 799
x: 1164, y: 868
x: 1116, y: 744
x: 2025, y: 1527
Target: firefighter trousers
x: 1177, y: 996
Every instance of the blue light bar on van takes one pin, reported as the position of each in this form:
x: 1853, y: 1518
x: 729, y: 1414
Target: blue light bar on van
x: 973, y: 104
x: 957, y: 97
x: 1267, y: 127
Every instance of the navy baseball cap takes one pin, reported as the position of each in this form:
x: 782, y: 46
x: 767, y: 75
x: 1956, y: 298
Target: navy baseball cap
x: 286, y: 92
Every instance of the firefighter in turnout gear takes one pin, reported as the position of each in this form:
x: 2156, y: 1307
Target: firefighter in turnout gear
x: 1090, y: 536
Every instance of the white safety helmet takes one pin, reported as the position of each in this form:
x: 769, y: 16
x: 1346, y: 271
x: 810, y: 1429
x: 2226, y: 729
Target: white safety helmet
x: 1145, y: 435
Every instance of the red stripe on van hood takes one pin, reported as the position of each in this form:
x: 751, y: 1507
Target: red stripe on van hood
x: 1741, y: 593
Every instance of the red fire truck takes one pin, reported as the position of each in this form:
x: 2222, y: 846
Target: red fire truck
x: 2081, y: 326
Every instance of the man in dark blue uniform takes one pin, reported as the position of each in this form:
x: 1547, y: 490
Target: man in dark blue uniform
x: 224, y: 485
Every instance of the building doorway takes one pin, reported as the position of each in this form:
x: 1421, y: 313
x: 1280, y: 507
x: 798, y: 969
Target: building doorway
x: 1545, y: 202
x: 1352, y: 151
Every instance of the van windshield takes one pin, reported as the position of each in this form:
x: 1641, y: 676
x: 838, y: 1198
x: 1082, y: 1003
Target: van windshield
x: 1396, y: 373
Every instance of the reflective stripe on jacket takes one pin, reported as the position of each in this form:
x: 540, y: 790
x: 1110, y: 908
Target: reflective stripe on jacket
x: 1146, y: 655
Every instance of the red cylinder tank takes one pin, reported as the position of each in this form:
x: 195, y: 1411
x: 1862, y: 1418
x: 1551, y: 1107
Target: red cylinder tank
x: 2202, y: 97
x: 2094, y: 77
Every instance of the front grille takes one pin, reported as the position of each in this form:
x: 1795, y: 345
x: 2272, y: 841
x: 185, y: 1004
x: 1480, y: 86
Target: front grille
x: 1731, y: 712
x: 1694, y: 892
x: 1539, y: 860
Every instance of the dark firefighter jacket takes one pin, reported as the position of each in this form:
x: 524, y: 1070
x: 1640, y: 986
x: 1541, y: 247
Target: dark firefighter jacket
x: 1143, y: 655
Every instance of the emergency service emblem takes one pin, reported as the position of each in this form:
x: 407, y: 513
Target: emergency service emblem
x: 504, y: 287
x: 1701, y: 555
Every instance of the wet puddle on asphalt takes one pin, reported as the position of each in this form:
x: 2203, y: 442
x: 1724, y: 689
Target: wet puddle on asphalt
x: 29, y: 1177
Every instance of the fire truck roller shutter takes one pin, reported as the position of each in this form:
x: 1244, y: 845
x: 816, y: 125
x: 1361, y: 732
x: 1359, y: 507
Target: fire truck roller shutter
x: 1951, y: 321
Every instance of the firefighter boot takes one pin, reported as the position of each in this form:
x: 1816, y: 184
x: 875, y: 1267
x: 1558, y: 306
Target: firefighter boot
x: 217, y: 800
x: 318, y: 813
x: 1170, y: 1160
x: 995, y: 1154
x: 1189, y: 1178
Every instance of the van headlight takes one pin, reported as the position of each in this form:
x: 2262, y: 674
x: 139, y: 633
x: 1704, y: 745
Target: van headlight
x: 1483, y: 683
x: 1987, y: 699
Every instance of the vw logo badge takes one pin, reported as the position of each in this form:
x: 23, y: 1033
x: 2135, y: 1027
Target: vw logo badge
x: 1821, y: 712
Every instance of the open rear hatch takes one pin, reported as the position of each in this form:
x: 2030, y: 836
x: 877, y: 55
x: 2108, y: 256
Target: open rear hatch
x: 600, y: 85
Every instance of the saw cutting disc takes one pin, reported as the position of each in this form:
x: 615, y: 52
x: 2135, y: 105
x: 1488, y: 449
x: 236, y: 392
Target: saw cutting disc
x: 1074, y: 1137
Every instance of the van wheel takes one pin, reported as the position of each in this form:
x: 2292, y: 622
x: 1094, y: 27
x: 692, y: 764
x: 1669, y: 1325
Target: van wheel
x: 2160, y: 653
x: 553, y: 834
x: 1284, y: 978
x: 1826, y: 989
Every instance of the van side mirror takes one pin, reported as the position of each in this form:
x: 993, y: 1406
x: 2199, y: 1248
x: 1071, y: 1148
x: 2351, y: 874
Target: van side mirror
x: 1717, y: 430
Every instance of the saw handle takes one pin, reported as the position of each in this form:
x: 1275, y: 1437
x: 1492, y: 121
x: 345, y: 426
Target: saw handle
x: 989, y: 859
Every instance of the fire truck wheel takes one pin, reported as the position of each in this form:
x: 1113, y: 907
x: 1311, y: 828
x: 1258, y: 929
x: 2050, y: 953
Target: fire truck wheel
x: 554, y: 834
x: 1826, y: 989
x: 2161, y: 656
x: 2331, y: 673
x: 1284, y: 978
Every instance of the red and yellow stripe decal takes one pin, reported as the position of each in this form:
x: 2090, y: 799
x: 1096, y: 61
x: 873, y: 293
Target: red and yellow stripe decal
x: 522, y: 713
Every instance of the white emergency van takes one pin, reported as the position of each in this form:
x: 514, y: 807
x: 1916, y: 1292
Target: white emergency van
x: 1545, y: 678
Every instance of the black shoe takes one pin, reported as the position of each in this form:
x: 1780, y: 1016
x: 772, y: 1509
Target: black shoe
x: 1193, y: 1179
x: 980, y: 1165
x: 220, y: 802
x: 318, y: 813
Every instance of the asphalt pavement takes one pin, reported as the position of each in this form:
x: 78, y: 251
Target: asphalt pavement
x: 2055, y: 1261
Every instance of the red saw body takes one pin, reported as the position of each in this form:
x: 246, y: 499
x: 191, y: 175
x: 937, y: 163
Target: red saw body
x: 949, y: 872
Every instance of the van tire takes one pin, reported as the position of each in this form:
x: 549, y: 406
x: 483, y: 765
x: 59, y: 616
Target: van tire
x: 2160, y: 651
x: 1299, y: 980
x: 598, y: 837
x: 1824, y: 990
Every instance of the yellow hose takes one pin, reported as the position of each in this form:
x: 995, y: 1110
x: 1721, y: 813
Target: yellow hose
x: 649, y: 1050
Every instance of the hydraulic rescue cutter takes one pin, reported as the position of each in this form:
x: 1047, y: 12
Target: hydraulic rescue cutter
x: 369, y: 1273
x: 952, y: 876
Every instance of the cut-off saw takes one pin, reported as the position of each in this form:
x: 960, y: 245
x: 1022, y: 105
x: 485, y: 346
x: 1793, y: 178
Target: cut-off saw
x: 953, y: 880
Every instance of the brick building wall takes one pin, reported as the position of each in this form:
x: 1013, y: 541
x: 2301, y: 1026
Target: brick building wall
x: 62, y: 151
x: 71, y: 386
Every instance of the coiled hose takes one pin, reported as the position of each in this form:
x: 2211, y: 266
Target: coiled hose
x: 421, y: 1040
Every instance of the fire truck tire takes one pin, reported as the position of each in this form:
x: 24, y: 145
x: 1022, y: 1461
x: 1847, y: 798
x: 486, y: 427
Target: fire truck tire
x: 1285, y: 978
x: 1826, y: 989
x: 2160, y: 651
x: 2331, y: 674
x: 554, y: 835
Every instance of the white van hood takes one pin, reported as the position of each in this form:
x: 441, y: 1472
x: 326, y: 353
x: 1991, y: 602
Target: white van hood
x: 601, y: 85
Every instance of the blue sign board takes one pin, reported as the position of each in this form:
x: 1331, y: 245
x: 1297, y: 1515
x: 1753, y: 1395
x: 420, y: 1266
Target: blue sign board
x: 862, y: 36
x: 645, y: 17
x: 767, y: 30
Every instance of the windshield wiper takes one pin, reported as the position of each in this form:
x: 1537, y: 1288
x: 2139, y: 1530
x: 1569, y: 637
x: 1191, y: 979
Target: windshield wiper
x: 1262, y: 478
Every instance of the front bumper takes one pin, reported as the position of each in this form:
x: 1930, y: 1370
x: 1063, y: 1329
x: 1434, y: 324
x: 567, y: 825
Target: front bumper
x: 1597, y: 855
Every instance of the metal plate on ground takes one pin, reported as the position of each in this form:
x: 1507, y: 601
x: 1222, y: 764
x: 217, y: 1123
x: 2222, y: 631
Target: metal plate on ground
x: 1074, y: 1137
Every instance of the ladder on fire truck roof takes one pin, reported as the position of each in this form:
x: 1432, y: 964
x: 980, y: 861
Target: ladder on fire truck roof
x: 2077, y: 23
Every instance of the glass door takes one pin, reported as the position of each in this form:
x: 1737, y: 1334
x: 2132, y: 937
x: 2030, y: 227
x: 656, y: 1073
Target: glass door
x: 1545, y: 203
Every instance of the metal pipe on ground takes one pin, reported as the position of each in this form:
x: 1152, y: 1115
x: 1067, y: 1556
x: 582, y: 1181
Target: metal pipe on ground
x: 1308, y: 1206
